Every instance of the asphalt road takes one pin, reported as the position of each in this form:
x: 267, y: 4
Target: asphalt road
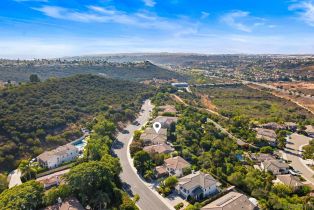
x: 292, y: 153
x: 132, y: 182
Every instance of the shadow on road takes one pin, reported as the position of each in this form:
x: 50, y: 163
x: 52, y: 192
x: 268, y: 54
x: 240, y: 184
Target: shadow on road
x: 127, y: 188
x: 117, y: 145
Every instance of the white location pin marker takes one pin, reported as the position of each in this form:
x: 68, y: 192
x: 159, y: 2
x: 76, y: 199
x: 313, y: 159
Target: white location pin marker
x: 157, y: 126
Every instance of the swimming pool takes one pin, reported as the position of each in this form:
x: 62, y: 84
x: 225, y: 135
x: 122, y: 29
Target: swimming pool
x: 80, y: 143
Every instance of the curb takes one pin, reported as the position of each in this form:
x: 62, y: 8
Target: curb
x: 130, y: 160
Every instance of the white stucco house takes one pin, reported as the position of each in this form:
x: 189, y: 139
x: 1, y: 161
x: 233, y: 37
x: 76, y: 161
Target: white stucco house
x: 62, y: 154
x: 197, y: 185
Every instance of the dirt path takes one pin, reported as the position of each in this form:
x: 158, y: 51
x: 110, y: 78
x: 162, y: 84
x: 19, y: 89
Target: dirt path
x: 178, y: 99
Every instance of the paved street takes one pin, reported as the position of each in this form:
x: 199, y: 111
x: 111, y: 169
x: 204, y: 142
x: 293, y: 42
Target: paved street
x: 292, y: 153
x: 133, y: 184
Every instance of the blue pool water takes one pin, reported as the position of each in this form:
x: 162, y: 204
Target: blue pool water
x: 80, y: 144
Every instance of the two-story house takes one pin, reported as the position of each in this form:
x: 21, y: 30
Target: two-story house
x: 197, y: 185
x: 62, y: 154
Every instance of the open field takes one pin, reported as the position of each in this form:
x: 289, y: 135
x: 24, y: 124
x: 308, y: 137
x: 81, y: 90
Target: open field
x: 306, y: 88
x: 257, y: 105
x: 304, y: 101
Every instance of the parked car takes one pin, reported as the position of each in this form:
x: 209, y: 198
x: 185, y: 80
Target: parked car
x: 125, y: 132
x: 294, y: 172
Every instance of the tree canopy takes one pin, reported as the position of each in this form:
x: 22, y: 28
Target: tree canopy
x: 26, y: 196
x: 48, y: 114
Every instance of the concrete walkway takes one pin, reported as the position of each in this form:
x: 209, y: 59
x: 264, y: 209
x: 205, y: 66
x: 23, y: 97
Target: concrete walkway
x: 15, y: 178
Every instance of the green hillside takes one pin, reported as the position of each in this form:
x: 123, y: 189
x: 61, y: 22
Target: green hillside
x: 47, y: 114
x: 21, y: 70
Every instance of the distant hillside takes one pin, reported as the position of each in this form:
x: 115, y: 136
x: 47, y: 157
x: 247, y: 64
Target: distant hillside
x: 35, y: 116
x: 158, y: 58
x: 21, y: 70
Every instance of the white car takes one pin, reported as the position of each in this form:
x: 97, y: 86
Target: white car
x: 294, y: 172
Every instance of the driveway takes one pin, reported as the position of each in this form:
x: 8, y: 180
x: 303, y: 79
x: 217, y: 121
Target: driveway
x: 133, y: 184
x: 292, y: 152
x: 15, y: 178
x: 59, y: 173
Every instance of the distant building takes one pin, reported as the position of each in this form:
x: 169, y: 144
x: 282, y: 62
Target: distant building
x: 275, y: 166
x: 159, y: 148
x: 54, y: 158
x: 150, y: 137
x: 266, y: 134
x: 231, y: 201
x: 176, y: 165
x: 165, y: 121
x: 180, y: 85
x: 292, y: 181
x: 309, y: 129
x: 197, y: 185
x: 68, y: 204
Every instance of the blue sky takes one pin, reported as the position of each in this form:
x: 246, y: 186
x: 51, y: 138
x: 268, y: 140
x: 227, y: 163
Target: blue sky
x: 56, y: 28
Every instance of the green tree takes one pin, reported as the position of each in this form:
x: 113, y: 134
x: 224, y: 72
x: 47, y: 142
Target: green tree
x: 25, y: 196
x: 27, y: 170
x: 105, y: 128
x: 142, y: 162
x: 282, y: 190
x: 127, y: 203
x: 51, y: 197
x: 3, y: 182
x: 267, y: 149
x: 34, y: 78
x: 135, y: 147
x: 171, y: 181
x: 308, y: 150
x: 95, y: 178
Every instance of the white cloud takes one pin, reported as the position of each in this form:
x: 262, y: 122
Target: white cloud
x: 305, y: 10
x: 102, y: 10
x: 31, y: 0
x: 28, y: 48
x: 232, y: 19
x: 149, y: 3
x: 98, y: 14
x: 204, y: 15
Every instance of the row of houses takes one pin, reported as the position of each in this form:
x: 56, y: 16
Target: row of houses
x: 267, y: 131
x: 196, y: 185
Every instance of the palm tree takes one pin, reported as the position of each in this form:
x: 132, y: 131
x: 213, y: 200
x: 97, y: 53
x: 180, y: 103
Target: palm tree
x: 26, y: 169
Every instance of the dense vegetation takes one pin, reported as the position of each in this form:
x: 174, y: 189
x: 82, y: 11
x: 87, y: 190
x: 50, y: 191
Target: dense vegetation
x: 26, y: 196
x: 94, y: 180
x: 308, y: 150
x: 20, y: 71
x: 207, y: 149
x: 47, y: 114
x: 257, y: 105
